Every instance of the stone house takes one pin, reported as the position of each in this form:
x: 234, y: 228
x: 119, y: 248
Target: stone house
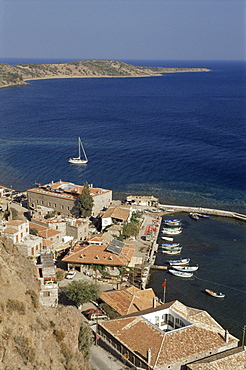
x: 47, y: 277
x: 31, y: 246
x: 16, y: 230
x: 63, y: 198
x: 167, y: 337
x: 118, y: 214
x: 143, y: 200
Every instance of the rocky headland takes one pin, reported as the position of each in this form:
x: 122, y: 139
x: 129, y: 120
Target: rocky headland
x: 15, y: 75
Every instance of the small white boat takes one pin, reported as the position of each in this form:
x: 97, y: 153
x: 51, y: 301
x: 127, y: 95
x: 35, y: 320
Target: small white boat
x: 167, y: 238
x: 181, y: 261
x: 170, y: 245
x: 78, y: 160
x: 173, y: 231
x: 181, y: 274
x: 175, y: 251
x: 194, y: 216
x: 215, y: 294
x: 186, y: 268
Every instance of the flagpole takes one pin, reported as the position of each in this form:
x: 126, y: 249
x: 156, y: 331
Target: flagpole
x: 164, y: 284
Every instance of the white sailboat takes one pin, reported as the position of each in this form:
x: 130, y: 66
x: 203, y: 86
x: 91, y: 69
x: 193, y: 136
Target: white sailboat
x: 78, y: 160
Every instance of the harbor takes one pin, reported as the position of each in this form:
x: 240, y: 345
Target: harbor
x: 216, y: 245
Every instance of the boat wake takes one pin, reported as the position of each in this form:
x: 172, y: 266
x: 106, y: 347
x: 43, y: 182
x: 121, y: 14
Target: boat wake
x: 225, y: 286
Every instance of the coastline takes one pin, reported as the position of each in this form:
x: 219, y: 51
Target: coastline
x: 17, y: 75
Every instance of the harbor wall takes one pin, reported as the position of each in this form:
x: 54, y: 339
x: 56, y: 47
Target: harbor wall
x: 207, y: 211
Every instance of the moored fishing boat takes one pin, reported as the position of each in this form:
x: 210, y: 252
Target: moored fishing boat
x: 194, y: 216
x: 181, y: 274
x: 167, y: 238
x: 171, y: 224
x: 186, y: 268
x: 202, y: 216
x: 181, y: 261
x: 178, y: 251
x: 172, y: 231
x: 176, y: 221
x: 215, y: 294
x: 172, y: 248
x: 170, y: 245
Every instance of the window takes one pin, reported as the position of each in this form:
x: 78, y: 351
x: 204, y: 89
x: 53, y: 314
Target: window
x: 157, y: 320
x: 49, y: 204
x: 46, y: 294
x: 62, y: 206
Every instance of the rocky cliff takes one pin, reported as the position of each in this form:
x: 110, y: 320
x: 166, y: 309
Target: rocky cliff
x: 31, y: 336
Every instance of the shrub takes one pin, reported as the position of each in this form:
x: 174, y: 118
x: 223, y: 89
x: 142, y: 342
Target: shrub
x: 15, y: 305
x: 23, y: 346
x: 59, y: 274
x: 34, y: 298
x: 85, y: 341
x: 59, y: 335
x: 14, y: 213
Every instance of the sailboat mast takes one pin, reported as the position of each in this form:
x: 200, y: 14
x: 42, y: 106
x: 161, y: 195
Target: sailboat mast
x: 79, y: 144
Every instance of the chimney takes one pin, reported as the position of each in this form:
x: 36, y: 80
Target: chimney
x: 148, y: 355
x: 154, y: 302
x: 226, y: 336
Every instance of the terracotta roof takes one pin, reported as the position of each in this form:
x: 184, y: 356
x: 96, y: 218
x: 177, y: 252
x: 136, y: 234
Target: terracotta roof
x: 43, y: 232
x: 66, y: 190
x: 97, y: 254
x: 129, y: 300
x: 134, y: 331
x: 120, y: 213
x: 227, y: 360
x: 15, y: 222
x: 10, y: 230
x: 33, y: 225
x: 48, y: 233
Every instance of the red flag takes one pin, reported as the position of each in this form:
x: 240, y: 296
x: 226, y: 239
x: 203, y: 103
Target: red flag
x: 164, y: 284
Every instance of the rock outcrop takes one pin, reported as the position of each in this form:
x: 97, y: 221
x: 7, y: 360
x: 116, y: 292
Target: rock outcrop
x: 32, y: 336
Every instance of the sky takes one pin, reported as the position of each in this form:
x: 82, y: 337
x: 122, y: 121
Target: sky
x: 123, y: 29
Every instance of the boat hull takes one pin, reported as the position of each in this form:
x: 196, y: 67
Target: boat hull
x: 180, y: 262
x: 215, y: 294
x: 77, y: 161
x: 181, y: 274
x: 186, y: 268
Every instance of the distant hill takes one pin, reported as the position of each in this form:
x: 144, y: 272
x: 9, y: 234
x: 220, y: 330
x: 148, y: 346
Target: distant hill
x: 14, y: 75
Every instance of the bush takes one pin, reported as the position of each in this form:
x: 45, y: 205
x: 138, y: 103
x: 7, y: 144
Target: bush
x: 59, y: 335
x: 14, y: 305
x: 60, y: 274
x: 85, y: 341
x: 34, y: 298
x: 14, y: 213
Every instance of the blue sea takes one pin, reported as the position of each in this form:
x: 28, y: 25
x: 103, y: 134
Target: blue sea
x: 180, y: 137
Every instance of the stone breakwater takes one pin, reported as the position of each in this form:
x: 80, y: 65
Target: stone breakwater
x: 208, y: 211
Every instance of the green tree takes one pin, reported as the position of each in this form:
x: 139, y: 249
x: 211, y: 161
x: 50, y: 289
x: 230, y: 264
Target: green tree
x: 130, y: 229
x: 81, y: 291
x: 33, y: 231
x: 85, y: 202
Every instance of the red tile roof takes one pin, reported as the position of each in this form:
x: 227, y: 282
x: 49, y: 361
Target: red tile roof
x: 136, y: 333
x: 129, y: 300
x: 97, y: 254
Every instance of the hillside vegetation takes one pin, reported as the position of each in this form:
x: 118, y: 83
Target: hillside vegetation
x: 17, y: 75
x: 32, y: 336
